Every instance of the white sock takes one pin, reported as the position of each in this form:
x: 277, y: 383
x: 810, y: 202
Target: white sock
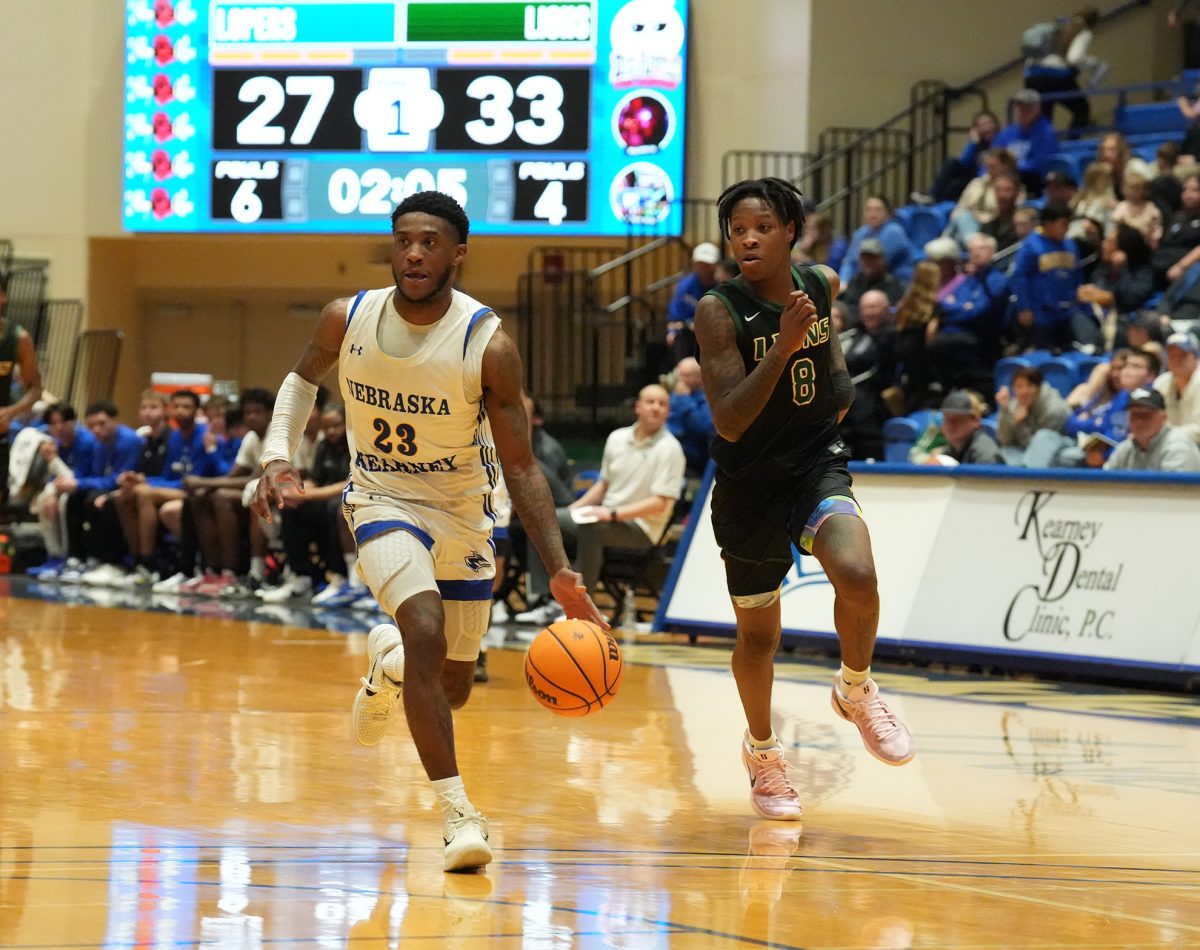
x: 393, y: 667
x: 351, y: 574
x: 451, y: 795
x: 258, y: 568
x: 851, y: 678
x: 759, y: 744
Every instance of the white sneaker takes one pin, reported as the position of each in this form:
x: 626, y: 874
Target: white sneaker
x: 500, y: 612
x: 141, y: 579
x: 106, y: 575
x: 542, y: 616
x: 376, y: 698
x: 72, y: 572
x: 171, y: 585
x: 292, y: 588
x: 466, y: 840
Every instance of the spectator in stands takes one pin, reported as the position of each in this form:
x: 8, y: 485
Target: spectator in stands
x: 69, y: 455
x: 967, y: 441
x: 1097, y: 198
x: 551, y: 457
x: 1137, y: 210
x: 978, y: 204
x: 138, y: 509
x: 690, y: 419
x: 629, y: 505
x: 956, y: 173
x: 1148, y: 331
x: 878, y: 224
x: 726, y: 269
x: 1058, y: 69
x: 818, y: 244
x: 1179, y: 248
x: 946, y: 253
x: 1165, y: 188
x: 872, y: 274
x: 315, y: 517
x: 1180, y: 384
x: 1094, y: 429
x: 1032, y: 404
x: 211, y: 513
x: 915, y: 324
x: 965, y: 332
x: 16, y: 352
x: 1002, y: 227
x: 1103, y: 382
x: 1114, y: 151
x: 1059, y: 185
x: 1183, y: 16
x: 1120, y: 283
x: 1031, y: 139
x: 681, y: 310
x: 1046, y: 282
x: 90, y: 537
x: 1153, y: 444
x: 220, y: 445
x: 870, y: 360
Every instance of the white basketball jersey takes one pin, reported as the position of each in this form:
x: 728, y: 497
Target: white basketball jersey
x: 416, y: 425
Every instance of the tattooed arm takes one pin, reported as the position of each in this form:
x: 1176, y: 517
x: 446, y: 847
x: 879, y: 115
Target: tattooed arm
x: 523, y: 477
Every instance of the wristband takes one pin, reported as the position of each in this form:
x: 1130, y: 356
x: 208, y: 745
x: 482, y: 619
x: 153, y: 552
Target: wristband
x: 612, y: 513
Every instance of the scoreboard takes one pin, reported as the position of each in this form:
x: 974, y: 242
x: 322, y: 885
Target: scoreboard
x: 319, y: 116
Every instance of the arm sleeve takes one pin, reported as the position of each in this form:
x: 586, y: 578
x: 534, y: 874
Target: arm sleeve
x: 293, y: 405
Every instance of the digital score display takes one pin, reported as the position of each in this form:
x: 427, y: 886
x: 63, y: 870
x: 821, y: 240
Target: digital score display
x: 319, y: 116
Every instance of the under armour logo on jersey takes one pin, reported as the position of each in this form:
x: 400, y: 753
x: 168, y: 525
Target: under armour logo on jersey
x: 355, y: 350
x: 475, y: 561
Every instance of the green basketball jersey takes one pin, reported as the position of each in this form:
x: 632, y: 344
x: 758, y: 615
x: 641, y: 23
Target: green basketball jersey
x: 802, y: 410
x: 8, y: 360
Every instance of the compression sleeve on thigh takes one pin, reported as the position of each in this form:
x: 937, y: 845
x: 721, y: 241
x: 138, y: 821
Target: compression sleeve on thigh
x: 293, y: 406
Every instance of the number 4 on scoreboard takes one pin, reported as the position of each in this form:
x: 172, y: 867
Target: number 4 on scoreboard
x: 550, y: 206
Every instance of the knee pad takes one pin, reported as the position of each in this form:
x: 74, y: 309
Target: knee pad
x: 756, y: 601
x: 466, y: 623
x: 395, y: 565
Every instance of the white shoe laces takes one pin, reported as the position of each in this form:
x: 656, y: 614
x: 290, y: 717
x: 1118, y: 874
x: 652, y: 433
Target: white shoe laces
x: 773, y: 777
x: 878, y: 716
x: 467, y: 815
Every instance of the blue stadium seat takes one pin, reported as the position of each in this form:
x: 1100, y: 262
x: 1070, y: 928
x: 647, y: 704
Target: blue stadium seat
x: 583, y: 480
x: 1150, y: 117
x: 1062, y: 374
x: 923, y: 226
x: 1006, y: 366
x: 899, y: 434
x: 992, y: 424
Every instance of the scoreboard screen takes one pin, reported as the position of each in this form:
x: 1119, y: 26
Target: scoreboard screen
x: 319, y: 116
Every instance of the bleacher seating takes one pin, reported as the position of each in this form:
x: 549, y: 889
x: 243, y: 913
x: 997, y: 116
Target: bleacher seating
x: 1155, y: 118
x: 1060, y: 373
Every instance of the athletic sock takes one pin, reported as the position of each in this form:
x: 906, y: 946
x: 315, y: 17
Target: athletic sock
x: 451, y: 795
x: 258, y: 568
x: 759, y: 744
x: 850, y: 678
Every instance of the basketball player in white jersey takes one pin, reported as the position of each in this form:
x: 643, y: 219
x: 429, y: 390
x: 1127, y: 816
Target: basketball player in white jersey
x: 432, y: 388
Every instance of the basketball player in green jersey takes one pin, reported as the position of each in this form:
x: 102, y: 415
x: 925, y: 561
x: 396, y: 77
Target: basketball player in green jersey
x: 777, y: 385
x: 16, y: 351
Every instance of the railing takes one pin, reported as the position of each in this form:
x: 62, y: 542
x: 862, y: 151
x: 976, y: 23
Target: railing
x: 26, y: 293
x: 94, y: 367
x: 6, y: 255
x: 61, y: 320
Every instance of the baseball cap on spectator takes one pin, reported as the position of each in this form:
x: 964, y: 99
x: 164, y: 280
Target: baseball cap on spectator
x: 872, y: 246
x: 1185, y: 342
x: 1058, y: 177
x: 1028, y: 97
x: 959, y: 402
x: 1150, y: 398
x: 706, y: 253
x: 943, y: 249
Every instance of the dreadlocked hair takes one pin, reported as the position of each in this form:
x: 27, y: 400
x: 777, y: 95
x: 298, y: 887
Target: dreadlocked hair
x: 784, y: 198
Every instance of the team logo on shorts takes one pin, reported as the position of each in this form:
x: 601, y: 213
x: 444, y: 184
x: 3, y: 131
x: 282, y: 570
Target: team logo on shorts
x: 475, y: 561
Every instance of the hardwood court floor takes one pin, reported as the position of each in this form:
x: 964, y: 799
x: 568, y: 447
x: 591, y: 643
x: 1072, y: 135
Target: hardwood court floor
x: 181, y: 781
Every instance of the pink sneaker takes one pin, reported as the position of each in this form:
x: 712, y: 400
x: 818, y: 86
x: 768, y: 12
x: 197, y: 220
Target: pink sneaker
x: 771, y: 791
x: 884, y: 735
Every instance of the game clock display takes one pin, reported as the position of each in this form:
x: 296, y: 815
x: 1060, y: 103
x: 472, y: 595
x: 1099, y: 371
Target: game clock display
x: 319, y: 116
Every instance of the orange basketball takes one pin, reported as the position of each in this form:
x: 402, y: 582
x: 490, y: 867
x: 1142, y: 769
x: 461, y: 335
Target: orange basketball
x: 574, y: 668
